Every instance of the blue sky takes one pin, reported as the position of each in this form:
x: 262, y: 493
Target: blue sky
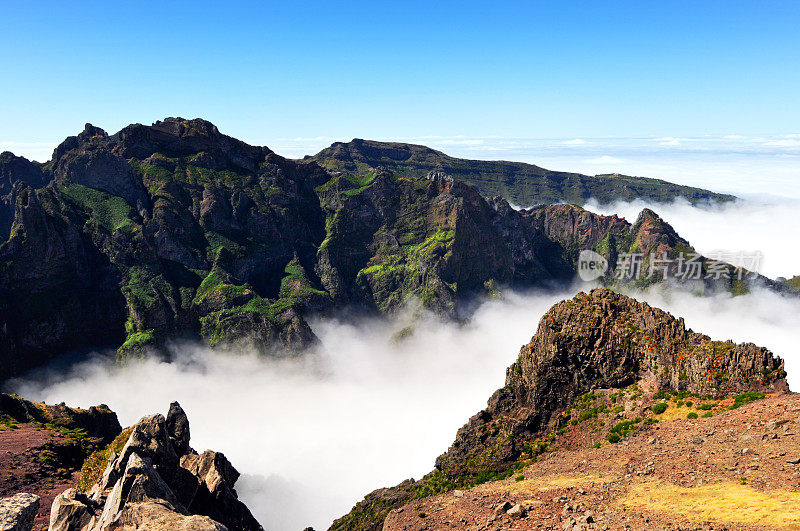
x: 270, y: 71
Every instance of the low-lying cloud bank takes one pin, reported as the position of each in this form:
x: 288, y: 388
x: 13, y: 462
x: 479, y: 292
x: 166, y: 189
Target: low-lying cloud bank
x: 312, y: 435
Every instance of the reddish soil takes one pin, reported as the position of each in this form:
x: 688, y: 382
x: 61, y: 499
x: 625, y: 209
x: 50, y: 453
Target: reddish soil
x: 28, y: 464
x: 739, y: 469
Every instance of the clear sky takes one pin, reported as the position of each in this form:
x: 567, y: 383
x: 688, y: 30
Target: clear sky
x: 270, y: 71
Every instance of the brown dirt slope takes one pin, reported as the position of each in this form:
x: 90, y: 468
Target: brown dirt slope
x: 739, y: 469
x: 42, y: 447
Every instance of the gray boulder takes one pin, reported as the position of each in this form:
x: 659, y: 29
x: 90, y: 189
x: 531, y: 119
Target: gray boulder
x: 18, y: 511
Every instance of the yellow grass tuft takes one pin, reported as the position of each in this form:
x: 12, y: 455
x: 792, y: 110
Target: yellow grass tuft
x: 721, y: 502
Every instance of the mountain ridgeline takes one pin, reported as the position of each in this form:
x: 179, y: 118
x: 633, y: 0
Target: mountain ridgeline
x: 177, y: 231
x: 519, y: 183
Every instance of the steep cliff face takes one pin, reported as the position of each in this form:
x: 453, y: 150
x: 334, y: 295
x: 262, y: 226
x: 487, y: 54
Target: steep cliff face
x: 176, y: 230
x: 588, y: 352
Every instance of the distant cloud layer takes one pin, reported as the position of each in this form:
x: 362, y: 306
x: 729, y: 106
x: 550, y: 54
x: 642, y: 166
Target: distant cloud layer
x: 738, y: 164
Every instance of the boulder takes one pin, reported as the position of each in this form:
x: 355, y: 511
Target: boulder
x: 18, y: 511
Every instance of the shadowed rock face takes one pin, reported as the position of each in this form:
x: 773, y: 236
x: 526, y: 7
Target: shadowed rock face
x: 176, y: 230
x: 158, y: 482
x: 599, y: 340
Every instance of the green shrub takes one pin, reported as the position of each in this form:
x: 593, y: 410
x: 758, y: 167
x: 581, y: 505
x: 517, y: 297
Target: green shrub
x: 707, y: 414
x: 659, y: 408
x: 613, y: 438
x: 691, y: 415
x: 744, y: 398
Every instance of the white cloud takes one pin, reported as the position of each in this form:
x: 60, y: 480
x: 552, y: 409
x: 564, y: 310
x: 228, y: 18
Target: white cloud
x: 670, y: 141
x: 575, y: 142
x: 786, y: 142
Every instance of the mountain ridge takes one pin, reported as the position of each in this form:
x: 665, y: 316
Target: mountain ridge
x: 176, y: 230
x: 519, y: 183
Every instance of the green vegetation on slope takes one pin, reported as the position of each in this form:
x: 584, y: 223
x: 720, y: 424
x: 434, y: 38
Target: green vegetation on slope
x: 519, y: 183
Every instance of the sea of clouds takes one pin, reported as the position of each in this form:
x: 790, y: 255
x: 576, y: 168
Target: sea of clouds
x: 312, y: 435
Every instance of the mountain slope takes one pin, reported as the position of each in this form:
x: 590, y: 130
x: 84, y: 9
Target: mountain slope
x: 517, y: 182
x: 588, y: 354
x: 175, y: 230
x: 694, y: 469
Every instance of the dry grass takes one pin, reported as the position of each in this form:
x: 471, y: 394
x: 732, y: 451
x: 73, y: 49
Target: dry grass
x: 722, y: 502
x: 544, y: 483
x: 674, y: 412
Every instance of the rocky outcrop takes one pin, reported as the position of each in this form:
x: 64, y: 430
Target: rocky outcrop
x: 17, y: 512
x: 97, y: 422
x: 156, y: 481
x: 600, y: 340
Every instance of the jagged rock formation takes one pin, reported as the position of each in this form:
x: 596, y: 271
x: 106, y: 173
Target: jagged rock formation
x: 156, y: 481
x: 520, y: 183
x: 599, y: 340
x: 18, y: 511
x: 176, y: 230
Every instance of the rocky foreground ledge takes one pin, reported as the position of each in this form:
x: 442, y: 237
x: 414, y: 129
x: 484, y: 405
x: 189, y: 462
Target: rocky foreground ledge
x: 156, y: 481
x: 602, y: 367
x: 77, y: 470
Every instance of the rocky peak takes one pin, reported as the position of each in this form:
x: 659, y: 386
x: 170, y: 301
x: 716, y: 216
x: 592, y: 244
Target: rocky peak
x: 178, y: 137
x: 654, y: 235
x: 156, y: 481
x: 602, y: 340
x: 597, y: 346
x: 90, y: 131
